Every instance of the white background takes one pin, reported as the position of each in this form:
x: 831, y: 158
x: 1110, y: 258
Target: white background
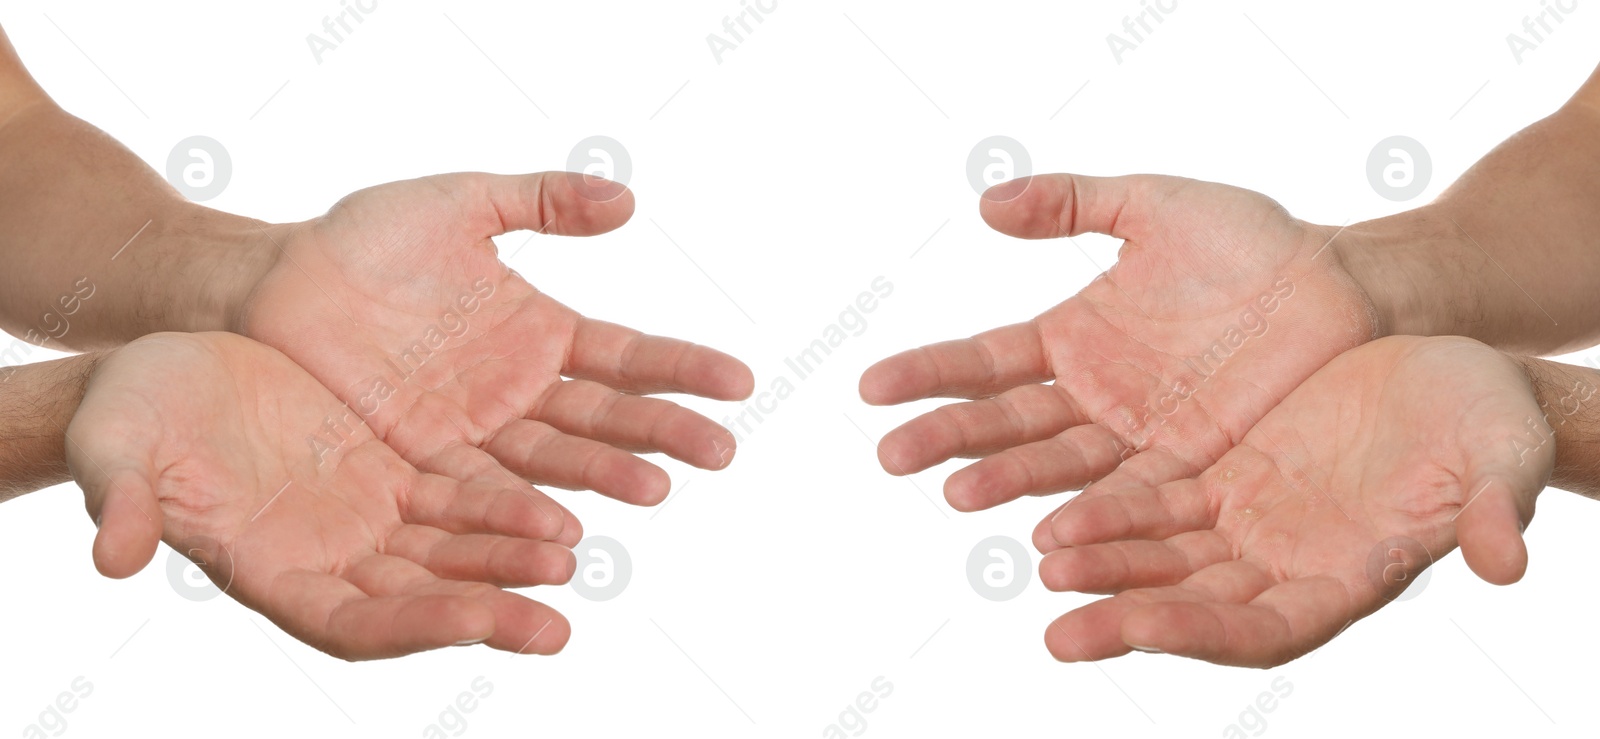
x: 793, y: 173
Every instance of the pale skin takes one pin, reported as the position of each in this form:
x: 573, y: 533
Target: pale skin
x: 1117, y: 392
x: 508, y: 388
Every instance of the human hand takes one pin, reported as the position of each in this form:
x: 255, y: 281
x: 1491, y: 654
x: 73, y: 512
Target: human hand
x: 200, y: 440
x: 1220, y: 303
x: 397, y: 300
x: 1405, y: 443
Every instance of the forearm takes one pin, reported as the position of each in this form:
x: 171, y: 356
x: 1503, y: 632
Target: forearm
x: 37, y: 401
x: 1509, y: 254
x: 1570, y: 399
x: 98, y: 249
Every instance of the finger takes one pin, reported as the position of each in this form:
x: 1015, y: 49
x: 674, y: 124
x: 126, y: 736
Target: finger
x: 1281, y: 624
x: 1017, y: 416
x: 540, y: 453
x: 1145, y: 469
x: 341, y: 619
x: 521, y: 625
x: 636, y: 424
x: 483, y: 508
x: 501, y: 561
x: 1489, y: 528
x: 1116, y: 566
x: 1094, y: 631
x: 560, y: 203
x: 640, y: 363
x: 436, y: 498
x: 1056, y: 205
x: 1067, y: 461
x: 120, y: 499
x: 1144, y: 512
x: 984, y: 365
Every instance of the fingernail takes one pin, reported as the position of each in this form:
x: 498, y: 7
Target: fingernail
x: 470, y: 642
x: 1147, y: 650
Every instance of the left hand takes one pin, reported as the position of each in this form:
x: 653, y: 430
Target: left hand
x: 1292, y: 534
x: 397, y: 301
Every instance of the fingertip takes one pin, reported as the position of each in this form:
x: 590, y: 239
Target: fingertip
x: 893, y: 456
x: 562, y: 564
x: 1010, y: 208
x: 877, y: 384
x: 969, y: 489
x: 741, y: 383
x: 550, y: 638
x: 1043, y: 541
x: 1489, y: 529
x: 119, y: 554
x: 652, y: 484
x: 724, y: 446
x: 600, y: 205
x: 129, y: 527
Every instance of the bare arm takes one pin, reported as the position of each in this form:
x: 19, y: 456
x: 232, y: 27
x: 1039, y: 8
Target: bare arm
x: 37, y: 401
x: 1509, y: 254
x: 71, y: 198
x: 1570, y: 399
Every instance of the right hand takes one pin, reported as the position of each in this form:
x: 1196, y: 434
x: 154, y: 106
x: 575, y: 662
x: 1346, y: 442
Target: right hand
x: 205, y: 441
x: 1219, y: 304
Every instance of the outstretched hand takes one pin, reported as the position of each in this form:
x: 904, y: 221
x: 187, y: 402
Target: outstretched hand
x: 201, y: 440
x: 1381, y: 463
x: 397, y: 301
x: 1219, y: 304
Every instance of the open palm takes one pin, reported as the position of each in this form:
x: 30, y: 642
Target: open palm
x: 397, y: 301
x: 1218, y: 305
x: 1382, y: 462
x: 200, y: 440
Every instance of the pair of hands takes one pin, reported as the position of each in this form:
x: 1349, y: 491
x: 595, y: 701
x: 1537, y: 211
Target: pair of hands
x: 358, y: 475
x: 358, y: 468
x: 1244, y: 446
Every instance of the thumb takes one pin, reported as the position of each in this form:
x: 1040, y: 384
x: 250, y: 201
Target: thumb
x: 1055, y: 205
x: 123, y: 505
x: 561, y: 203
x: 1489, y: 528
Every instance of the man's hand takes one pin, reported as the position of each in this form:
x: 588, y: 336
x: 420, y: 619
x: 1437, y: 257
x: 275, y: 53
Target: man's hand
x: 201, y: 440
x: 1220, y: 303
x: 397, y: 301
x: 1382, y: 462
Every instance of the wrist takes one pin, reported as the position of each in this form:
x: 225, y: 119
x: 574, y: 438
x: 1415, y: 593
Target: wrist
x: 219, y: 260
x: 1400, y: 262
